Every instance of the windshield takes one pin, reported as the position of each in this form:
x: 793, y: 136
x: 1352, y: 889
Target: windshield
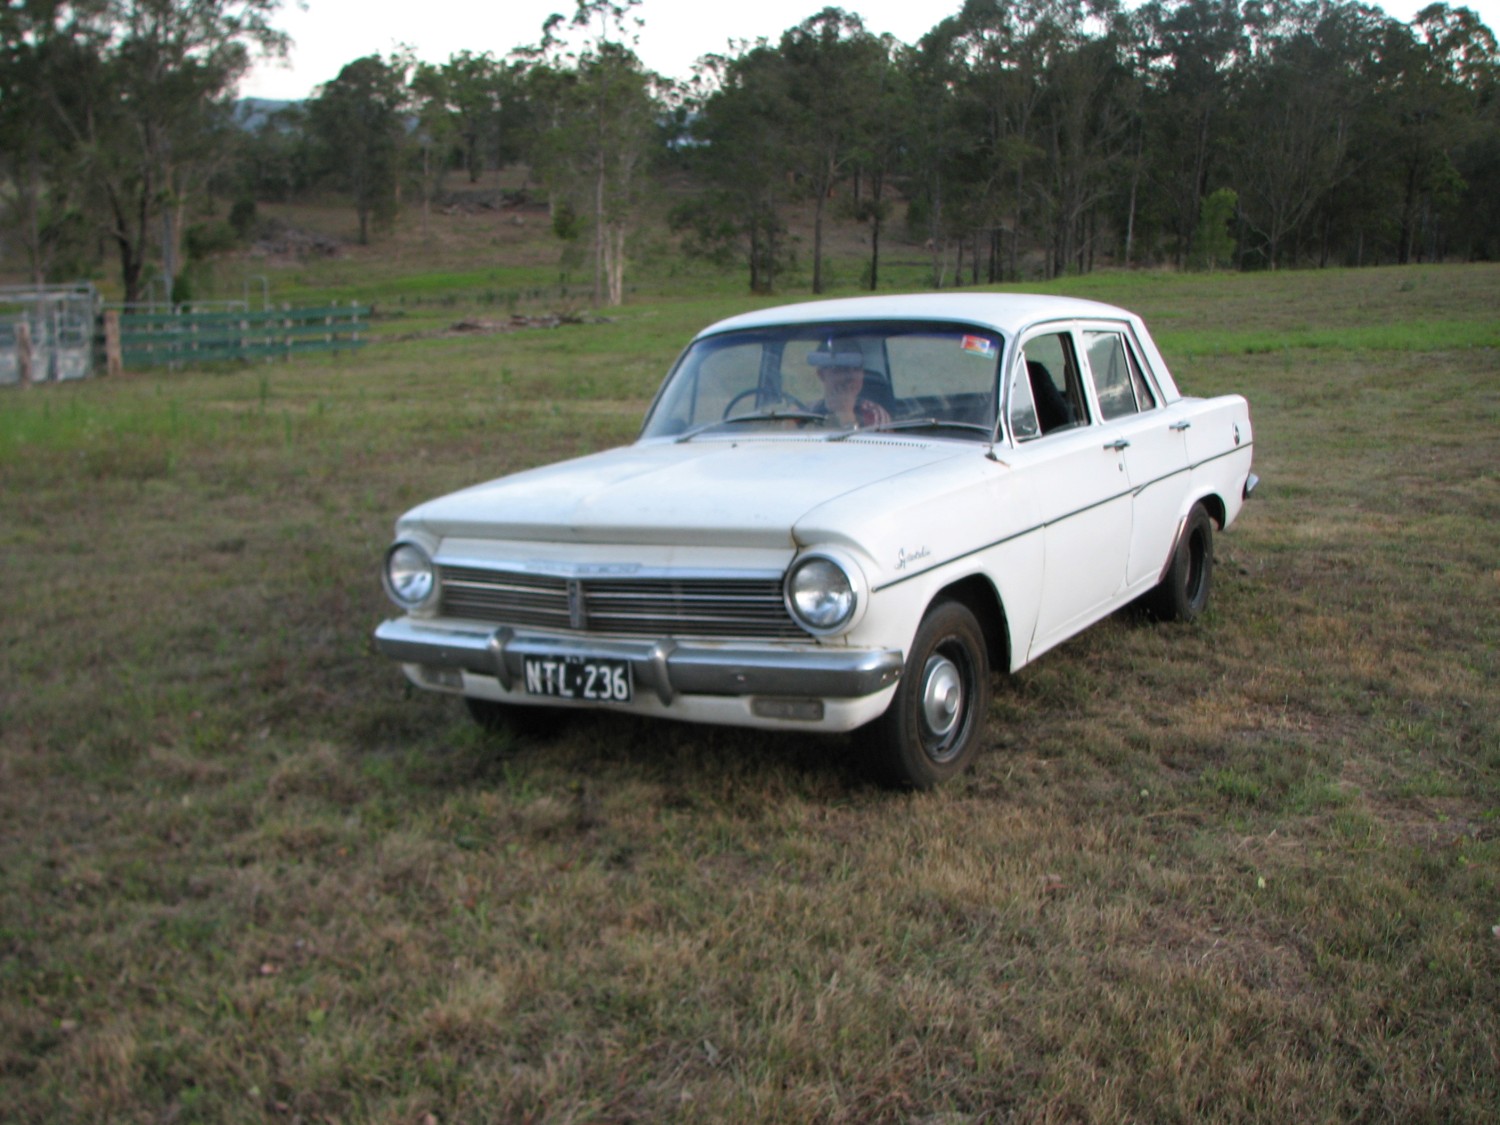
x: 837, y: 378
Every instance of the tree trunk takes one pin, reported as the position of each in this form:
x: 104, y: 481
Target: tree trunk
x: 817, y: 278
x: 615, y: 247
x: 600, y: 235
x: 755, y: 256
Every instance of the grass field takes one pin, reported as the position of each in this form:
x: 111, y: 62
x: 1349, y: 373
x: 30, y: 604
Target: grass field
x: 1247, y: 869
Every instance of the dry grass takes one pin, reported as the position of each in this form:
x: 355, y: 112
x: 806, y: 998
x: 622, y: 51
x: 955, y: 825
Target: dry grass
x: 1245, y: 870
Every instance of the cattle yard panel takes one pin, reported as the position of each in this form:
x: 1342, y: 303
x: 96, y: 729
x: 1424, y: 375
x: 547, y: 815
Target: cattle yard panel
x: 47, y: 332
x: 52, y: 333
x: 179, y: 339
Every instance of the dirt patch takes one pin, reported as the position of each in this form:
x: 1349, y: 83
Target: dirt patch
x: 282, y: 241
x: 475, y: 326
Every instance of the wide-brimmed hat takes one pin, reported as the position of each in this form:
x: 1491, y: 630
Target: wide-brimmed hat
x: 837, y: 353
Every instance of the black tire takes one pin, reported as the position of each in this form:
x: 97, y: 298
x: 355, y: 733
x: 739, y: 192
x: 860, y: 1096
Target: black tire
x: 1183, y: 593
x: 524, y: 722
x: 932, y: 728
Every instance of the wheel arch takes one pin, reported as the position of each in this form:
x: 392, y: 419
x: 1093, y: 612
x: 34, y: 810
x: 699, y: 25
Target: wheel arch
x: 1213, y: 504
x: 978, y: 595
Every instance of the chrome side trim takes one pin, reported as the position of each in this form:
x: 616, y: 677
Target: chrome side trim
x: 668, y: 667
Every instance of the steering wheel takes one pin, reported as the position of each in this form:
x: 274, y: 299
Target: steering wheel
x: 791, y: 400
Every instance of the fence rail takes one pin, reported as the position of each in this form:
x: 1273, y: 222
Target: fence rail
x: 177, y: 339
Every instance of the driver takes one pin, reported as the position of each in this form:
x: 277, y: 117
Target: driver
x: 841, y: 369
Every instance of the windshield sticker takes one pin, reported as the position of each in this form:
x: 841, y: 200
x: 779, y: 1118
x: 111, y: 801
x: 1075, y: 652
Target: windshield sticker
x: 981, y: 346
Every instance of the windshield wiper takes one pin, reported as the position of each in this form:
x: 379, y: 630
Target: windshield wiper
x: 914, y: 424
x: 758, y: 416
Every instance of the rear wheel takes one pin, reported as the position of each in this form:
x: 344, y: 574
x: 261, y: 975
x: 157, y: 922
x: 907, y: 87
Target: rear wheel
x: 1183, y: 593
x: 931, y: 731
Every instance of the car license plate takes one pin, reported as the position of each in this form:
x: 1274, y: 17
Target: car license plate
x: 592, y: 678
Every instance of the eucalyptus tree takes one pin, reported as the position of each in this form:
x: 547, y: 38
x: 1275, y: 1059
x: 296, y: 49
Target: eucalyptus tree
x: 833, y: 69
x: 936, y: 140
x: 1436, y: 78
x: 1083, y: 129
x: 595, y: 130
x: 999, y: 62
x: 1296, y: 108
x: 883, y: 130
x: 139, y: 92
x: 1192, y: 51
x: 437, y: 136
x: 740, y: 149
x: 39, y: 196
x: 967, y: 103
x: 358, y: 123
x: 472, y: 100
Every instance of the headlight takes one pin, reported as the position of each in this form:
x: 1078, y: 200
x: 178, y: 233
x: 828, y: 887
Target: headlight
x: 410, y: 577
x: 820, y: 594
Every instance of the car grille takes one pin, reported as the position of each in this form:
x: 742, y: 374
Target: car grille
x: 656, y: 607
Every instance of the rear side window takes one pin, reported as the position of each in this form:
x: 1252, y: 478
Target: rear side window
x: 1120, y: 386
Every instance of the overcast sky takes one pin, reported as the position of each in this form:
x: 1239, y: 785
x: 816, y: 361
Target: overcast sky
x: 326, y: 34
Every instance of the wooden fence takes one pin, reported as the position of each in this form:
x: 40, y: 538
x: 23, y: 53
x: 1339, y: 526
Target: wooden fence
x: 178, y: 339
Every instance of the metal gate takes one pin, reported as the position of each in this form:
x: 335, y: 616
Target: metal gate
x: 47, y: 332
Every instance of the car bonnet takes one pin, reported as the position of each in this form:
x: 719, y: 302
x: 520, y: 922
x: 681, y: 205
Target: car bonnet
x: 717, y: 492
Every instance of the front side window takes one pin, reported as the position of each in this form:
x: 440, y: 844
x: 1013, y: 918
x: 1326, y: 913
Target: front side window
x: 1046, y: 393
x: 845, y: 377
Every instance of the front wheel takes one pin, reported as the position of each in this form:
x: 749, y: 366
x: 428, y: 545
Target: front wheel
x: 1183, y: 593
x: 931, y: 731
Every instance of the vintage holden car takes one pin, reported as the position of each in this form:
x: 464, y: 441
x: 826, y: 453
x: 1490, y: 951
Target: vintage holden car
x: 839, y: 516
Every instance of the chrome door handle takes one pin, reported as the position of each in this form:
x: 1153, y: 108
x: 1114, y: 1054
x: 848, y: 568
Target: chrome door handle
x: 1180, y: 426
x: 1118, y: 444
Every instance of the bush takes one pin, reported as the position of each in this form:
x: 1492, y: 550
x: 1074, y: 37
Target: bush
x: 242, y: 218
x: 203, y: 240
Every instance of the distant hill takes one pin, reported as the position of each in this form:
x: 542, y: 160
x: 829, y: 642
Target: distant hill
x: 252, y: 113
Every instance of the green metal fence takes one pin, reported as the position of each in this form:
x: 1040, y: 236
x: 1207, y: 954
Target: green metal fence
x: 178, y: 339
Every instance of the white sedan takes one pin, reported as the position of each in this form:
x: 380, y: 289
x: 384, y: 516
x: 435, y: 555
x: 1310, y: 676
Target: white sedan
x: 839, y: 515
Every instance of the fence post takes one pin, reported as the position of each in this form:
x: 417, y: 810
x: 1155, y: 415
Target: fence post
x: 114, y: 358
x: 23, y: 351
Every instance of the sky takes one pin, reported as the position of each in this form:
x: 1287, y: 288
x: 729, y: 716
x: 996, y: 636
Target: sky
x: 326, y: 34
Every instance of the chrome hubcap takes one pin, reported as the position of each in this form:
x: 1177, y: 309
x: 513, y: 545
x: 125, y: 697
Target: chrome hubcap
x: 942, y: 695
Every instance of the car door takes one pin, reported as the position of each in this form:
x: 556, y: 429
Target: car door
x: 1151, y: 443
x: 1079, y: 479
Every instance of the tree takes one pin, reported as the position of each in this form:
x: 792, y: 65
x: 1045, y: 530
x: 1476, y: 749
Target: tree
x: 39, y: 202
x: 472, y: 102
x: 1084, y: 128
x: 358, y: 122
x: 879, y: 141
x: 138, y: 91
x: 1213, y: 243
x: 1191, y: 50
x: 596, y: 132
x: 941, y: 143
x: 1433, y: 77
x: 833, y: 74
x: 740, y: 149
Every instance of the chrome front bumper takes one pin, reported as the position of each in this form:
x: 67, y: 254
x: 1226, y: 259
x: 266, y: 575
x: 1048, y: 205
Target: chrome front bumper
x: 667, y: 668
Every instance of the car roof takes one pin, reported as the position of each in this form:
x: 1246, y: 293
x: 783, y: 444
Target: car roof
x: 1007, y: 313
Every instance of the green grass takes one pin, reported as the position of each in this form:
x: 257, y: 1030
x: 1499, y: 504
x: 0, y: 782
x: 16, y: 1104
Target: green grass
x: 1246, y: 870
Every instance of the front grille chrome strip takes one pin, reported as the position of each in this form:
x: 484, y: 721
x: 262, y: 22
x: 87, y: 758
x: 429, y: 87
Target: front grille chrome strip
x: 646, y: 606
